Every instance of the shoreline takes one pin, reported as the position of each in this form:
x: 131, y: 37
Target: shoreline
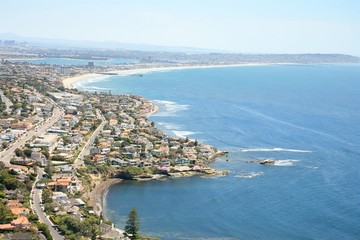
x: 69, y: 82
x: 98, y: 194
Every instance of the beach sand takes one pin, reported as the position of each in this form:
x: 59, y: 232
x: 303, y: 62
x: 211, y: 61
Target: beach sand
x: 69, y: 82
x: 97, y: 195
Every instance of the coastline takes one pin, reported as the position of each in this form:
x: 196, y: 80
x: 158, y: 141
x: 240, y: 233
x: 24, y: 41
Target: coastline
x: 69, y: 82
x: 97, y: 195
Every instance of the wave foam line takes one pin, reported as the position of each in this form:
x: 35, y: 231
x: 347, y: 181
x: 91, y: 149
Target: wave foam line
x: 274, y: 150
x: 249, y: 174
x: 183, y: 134
x: 285, y: 163
x: 169, y: 108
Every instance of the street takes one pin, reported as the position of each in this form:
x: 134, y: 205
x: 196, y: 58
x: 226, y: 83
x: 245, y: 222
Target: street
x: 36, y: 206
x: 7, y: 154
x: 86, y: 149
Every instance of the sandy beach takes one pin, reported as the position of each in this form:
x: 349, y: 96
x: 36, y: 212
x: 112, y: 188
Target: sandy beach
x: 97, y: 195
x: 70, y: 82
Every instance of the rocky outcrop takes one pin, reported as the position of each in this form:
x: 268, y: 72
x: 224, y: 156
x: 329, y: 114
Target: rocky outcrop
x: 264, y: 162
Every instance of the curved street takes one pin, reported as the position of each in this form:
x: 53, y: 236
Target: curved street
x: 37, y: 208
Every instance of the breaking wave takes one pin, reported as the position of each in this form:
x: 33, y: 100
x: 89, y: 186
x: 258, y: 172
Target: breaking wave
x: 249, y: 174
x: 274, y: 150
x: 285, y: 163
x: 169, y: 108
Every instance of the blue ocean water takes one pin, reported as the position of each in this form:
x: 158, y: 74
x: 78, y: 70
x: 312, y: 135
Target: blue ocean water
x: 304, y: 116
x: 75, y: 62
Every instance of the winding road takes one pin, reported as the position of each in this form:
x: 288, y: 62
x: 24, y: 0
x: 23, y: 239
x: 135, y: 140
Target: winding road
x: 37, y: 208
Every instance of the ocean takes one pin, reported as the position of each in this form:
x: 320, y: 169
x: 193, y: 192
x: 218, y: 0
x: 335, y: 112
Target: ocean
x: 305, y: 117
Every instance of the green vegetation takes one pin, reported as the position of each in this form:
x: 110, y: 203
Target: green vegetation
x: 132, y: 226
x: 73, y: 228
x: 2, y: 106
x: 45, y: 230
x: 9, y: 181
x: 46, y: 195
x: 134, y: 171
x: 6, y: 215
x: 49, y: 170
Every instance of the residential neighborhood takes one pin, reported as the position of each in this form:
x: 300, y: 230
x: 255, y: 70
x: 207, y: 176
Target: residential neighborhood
x: 63, y: 144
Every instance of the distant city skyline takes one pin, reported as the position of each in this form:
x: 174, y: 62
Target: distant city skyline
x: 258, y: 26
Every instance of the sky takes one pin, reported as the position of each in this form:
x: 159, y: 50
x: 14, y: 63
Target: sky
x: 246, y: 26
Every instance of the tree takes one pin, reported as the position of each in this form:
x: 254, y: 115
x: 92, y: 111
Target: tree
x: 46, y: 195
x: 11, y: 183
x: 46, y: 153
x: 45, y: 230
x: 132, y: 226
x: 5, y: 214
x: 19, y: 153
x: 27, y: 152
x: 49, y: 170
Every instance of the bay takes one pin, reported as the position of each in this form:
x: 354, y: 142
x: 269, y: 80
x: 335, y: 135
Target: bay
x: 306, y: 117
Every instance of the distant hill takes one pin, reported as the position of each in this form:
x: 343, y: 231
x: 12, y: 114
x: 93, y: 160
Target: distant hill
x: 165, y: 54
x: 65, y: 43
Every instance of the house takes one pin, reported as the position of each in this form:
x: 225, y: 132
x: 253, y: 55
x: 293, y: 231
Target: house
x: 119, y: 162
x: 17, y: 168
x: 14, y: 204
x: 113, y: 234
x: 133, y: 162
x: 61, y: 184
x: 47, y: 140
x: 23, y: 236
x: 105, y: 151
x: 36, y: 155
x: 109, y: 232
x: 104, y: 228
x: 94, y: 151
x: 39, y: 158
x: 34, y: 99
x: 182, y: 161
x: 71, y: 110
x: 113, y: 122
x: 19, y: 210
x: 59, y: 196
x: 7, y: 137
x: 145, y: 164
x: 77, y: 202
x: 21, y: 126
x: 40, y: 185
x: 6, y: 122
x: 66, y: 169
x: 106, y: 133
x: 164, y: 162
x: 20, y: 223
x: 98, y: 158
x: 130, y: 155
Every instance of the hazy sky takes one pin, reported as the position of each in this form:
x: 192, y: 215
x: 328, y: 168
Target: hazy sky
x: 255, y: 26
